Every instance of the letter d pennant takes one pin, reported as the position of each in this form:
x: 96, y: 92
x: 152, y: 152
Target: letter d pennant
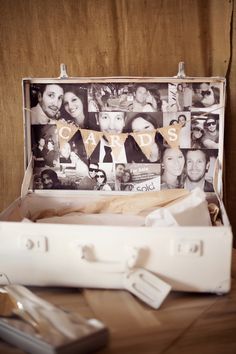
x: 145, y: 141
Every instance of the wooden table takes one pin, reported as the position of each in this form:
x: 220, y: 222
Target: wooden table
x: 185, y: 323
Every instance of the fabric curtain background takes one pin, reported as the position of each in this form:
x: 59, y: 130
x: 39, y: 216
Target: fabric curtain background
x: 111, y: 38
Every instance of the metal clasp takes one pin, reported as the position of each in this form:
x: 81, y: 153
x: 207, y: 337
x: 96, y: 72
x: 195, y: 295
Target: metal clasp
x: 63, y: 72
x: 181, y: 71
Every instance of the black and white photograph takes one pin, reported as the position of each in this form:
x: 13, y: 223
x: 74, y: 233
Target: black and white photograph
x: 172, y: 168
x: 146, y: 122
x: 179, y: 97
x: 47, y: 178
x: 205, y: 131
x: 46, y: 102
x: 199, y: 169
x: 130, y: 97
x: 53, y: 102
x: 109, y: 97
x: 45, y: 149
x: 137, y: 177
x: 149, y: 97
x: 105, y: 177
x: 184, y: 119
x: 98, y: 177
x: 74, y: 106
x: 73, y: 150
x: 188, y: 168
x: 122, y: 122
x: 206, y: 96
x: 137, y: 122
x: 108, y: 122
x: 112, y: 123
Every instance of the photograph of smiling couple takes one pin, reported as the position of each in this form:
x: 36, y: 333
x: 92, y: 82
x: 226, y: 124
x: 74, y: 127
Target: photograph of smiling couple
x: 126, y: 122
x: 71, y: 102
x: 205, y: 131
x: 188, y: 168
x: 53, y: 102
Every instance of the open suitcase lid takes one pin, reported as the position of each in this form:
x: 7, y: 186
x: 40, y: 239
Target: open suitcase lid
x: 122, y: 134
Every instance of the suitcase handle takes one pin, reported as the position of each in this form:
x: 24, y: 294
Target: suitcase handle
x: 145, y: 285
x: 132, y: 255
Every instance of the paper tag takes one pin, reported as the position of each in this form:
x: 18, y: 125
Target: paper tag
x: 146, y: 286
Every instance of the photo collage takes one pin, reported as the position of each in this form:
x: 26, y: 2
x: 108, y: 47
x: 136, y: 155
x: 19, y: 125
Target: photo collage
x: 110, y: 136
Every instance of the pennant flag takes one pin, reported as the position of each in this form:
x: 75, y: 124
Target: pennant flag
x: 145, y: 140
x: 90, y: 139
x: 116, y: 143
x: 171, y: 134
x: 65, y: 132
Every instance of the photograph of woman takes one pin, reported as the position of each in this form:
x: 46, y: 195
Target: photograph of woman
x: 74, y: 101
x: 142, y: 122
x: 101, y: 180
x: 197, y: 134
x: 173, y: 161
x: 50, y: 179
x: 180, y: 97
x: 173, y: 122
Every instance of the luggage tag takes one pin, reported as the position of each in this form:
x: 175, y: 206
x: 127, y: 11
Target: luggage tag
x: 146, y: 286
x: 46, y: 328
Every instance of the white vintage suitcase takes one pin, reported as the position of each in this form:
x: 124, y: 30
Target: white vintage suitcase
x: 148, y: 261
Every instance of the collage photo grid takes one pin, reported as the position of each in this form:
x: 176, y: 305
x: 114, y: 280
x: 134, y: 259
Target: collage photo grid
x: 116, y: 108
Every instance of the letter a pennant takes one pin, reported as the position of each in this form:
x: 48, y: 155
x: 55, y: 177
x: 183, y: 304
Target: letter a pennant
x: 90, y: 138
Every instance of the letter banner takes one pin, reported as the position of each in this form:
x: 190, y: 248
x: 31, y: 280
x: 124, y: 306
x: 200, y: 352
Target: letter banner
x: 116, y: 142
x: 145, y: 140
x: 171, y: 134
x: 90, y: 138
x: 65, y: 132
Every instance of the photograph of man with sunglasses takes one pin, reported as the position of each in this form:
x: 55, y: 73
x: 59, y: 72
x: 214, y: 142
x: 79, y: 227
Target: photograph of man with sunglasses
x: 210, y: 140
x: 89, y: 182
